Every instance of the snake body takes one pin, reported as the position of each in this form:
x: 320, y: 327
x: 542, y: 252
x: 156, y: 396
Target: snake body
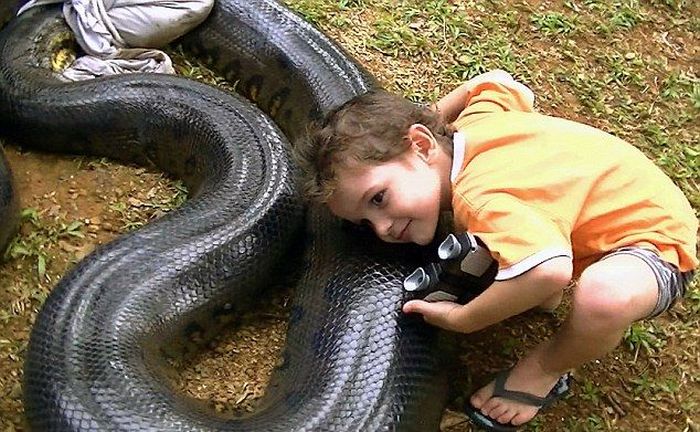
x: 98, y: 352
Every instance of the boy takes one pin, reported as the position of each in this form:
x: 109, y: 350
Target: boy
x: 552, y: 199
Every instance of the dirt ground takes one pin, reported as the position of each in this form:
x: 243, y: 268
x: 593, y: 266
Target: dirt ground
x: 72, y: 204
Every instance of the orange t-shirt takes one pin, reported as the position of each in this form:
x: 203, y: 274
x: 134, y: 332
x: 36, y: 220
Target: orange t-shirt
x: 534, y: 187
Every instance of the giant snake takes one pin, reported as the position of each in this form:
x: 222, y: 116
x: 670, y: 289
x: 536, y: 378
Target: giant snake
x: 98, y: 352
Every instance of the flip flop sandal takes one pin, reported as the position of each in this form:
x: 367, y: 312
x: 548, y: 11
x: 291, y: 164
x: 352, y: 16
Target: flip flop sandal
x: 560, y: 389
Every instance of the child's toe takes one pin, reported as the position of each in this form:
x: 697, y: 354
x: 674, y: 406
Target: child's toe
x: 490, y: 405
x: 505, y: 417
x: 499, y: 411
x: 481, y: 396
x: 522, y: 418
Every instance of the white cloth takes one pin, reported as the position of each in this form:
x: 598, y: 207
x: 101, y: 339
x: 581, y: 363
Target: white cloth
x: 118, y: 36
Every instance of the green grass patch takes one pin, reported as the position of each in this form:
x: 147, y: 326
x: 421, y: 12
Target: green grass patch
x: 554, y: 23
x: 644, y: 336
x: 40, y: 235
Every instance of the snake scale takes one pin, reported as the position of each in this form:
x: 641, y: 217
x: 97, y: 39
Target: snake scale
x: 98, y: 353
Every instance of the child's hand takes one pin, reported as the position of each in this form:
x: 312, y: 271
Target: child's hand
x: 443, y: 314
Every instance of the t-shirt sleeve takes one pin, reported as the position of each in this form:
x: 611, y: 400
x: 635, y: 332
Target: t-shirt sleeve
x: 519, y: 236
x: 496, y: 91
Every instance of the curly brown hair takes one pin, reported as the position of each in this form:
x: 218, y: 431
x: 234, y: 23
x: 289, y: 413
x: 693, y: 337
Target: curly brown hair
x: 372, y: 127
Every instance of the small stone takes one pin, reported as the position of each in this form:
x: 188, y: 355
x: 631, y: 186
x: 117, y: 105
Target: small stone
x: 135, y: 202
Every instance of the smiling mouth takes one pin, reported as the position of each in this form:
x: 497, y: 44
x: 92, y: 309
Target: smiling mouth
x: 404, y: 231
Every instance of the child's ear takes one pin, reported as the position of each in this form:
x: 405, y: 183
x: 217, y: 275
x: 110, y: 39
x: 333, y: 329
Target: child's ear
x: 422, y: 140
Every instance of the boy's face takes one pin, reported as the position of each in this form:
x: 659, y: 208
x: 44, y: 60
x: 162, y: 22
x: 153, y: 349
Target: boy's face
x: 400, y: 199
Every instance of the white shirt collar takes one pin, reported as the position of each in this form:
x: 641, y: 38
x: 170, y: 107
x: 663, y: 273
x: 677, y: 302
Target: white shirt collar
x: 459, y: 149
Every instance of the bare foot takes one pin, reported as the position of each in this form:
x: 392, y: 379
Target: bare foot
x: 526, y: 377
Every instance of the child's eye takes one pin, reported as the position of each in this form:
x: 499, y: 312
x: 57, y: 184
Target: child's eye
x: 378, y: 198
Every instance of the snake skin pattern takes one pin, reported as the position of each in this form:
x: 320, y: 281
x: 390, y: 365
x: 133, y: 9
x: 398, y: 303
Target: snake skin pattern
x: 98, y: 353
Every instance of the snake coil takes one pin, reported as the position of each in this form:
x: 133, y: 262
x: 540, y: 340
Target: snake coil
x: 97, y: 357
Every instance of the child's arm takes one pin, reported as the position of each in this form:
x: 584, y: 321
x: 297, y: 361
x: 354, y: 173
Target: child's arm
x: 501, y: 300
x: 452, y: 104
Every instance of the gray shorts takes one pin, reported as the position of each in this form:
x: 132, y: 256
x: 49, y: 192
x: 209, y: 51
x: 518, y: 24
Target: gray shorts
x: 670, y: 280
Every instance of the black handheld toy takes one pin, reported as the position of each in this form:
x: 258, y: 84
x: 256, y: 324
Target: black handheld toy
x: 465, y: 269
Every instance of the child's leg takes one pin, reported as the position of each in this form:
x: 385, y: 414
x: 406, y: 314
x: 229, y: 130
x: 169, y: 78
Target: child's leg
x: 610, y: 295
x: 551, y: 303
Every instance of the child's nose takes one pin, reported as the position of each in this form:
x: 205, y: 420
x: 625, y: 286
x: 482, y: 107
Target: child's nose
x: 382, y: 226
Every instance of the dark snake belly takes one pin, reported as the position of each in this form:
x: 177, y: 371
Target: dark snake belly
x: 97, y: 357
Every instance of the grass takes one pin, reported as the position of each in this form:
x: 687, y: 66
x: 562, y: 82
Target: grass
x: 39, y: 238
x: 643, y: 335
x: 554, y: 23
x: 134, y: 212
